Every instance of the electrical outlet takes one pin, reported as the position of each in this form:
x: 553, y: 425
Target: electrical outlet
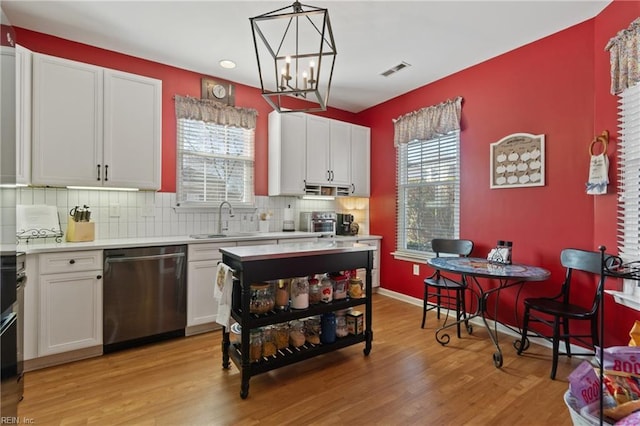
x: 114, y: 210
x: 416, y: 269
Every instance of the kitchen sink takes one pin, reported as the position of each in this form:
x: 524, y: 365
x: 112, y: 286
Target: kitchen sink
x: 228, y: 235
x: 206, y: 236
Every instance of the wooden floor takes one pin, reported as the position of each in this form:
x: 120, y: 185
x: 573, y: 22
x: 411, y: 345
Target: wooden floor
x: 408, y: 379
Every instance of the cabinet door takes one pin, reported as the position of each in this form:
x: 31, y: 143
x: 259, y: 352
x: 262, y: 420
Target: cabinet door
x: 67, y: 122
x: 360, y: 161
x: 287, y: 167
x: 375, y: 276
x: 318, y: 140
x: 340, y: 153
x: 8, y: 107
x: 202, y: 307
x: 23, y: 115
x: 31, y: 311
x: 132, y: 130
x: 70, y: 311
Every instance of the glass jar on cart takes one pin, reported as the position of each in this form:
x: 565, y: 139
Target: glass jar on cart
x: 296, y: 333
x: 269, y: 347
x: 299, y: 293
x: 255, y: 345
x: 315, y: 291
x: 262, y: 298
x: 340, y: 286
x: 282, y: 294
x: 341, y: 323
x: 326, y: 287
x: 312, y: 330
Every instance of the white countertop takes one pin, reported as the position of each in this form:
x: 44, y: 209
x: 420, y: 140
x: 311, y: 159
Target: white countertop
x: 273, y: 251
x: 34, y: 246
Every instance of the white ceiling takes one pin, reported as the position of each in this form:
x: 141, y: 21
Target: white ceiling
x: 437, y: 38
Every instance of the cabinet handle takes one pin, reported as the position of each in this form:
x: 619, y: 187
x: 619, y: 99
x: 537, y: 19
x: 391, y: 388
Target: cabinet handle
x: 98, y: 171
x: 331, y: 175
x: 106, y: 172
x: 353, y: 188
x: 99, y: 277
x: 72, y: 261
x: 328, y: 174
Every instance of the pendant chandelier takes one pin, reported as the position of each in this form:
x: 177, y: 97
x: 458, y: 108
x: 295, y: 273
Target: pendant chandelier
x: 296, y: 54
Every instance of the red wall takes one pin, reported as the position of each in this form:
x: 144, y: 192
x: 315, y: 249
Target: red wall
x: 174, y: 81
x: 608, y: 23
x: 549, y: 87
x: 557, y: 86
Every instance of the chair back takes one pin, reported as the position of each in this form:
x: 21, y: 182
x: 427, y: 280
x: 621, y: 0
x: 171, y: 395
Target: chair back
x: 451, y: 246
x: 586, y: 261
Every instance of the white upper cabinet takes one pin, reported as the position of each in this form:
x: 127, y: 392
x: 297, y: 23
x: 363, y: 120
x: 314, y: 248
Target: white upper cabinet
x: 314, y: 155
x: 340, y: 152
x: 8, y: 106
x: 93, y: 126
x: 132, y: 130
x: 328, y: 151
x: 23, y: 115
x: 360, y: 161
x: 318, y: 141
x: 287, y: 147
x: 67, y: 122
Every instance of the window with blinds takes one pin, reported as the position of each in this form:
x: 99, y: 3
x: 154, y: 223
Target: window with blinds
x: 629, y: 174
x: 428, y: 173
x: 215, y: 163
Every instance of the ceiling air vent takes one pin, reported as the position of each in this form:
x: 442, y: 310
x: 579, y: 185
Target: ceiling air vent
x: 395, y: 69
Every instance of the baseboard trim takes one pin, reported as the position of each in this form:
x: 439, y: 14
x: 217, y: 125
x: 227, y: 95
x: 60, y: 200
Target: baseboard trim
x: 62, y: 358
x: 478, y: 322
x: 201, y: 328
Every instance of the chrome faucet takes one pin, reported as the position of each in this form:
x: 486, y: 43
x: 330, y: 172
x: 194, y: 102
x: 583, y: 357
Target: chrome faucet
x: 220, y: 215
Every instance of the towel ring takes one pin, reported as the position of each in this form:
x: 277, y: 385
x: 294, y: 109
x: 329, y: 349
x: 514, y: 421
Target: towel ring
x: 603, y: 139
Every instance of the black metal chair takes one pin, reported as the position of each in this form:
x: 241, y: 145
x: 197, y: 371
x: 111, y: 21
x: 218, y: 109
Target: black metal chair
x: 556, y: 312
x: 447, y: 293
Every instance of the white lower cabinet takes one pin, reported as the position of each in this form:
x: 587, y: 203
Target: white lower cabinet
x: 71, y: 311
x: 375, y: 271
x: 202, y: 307
x: 70, y: 299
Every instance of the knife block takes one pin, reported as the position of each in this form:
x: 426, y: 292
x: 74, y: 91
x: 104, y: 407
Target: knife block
x: 80, y: 231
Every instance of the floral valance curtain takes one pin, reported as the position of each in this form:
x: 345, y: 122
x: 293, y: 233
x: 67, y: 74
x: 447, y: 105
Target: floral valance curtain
x: 624, y: 51
x: 428, y: 123
x: 214, y: 112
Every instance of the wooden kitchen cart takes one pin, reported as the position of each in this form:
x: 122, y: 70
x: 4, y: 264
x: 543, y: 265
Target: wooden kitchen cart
x: 254, y: 264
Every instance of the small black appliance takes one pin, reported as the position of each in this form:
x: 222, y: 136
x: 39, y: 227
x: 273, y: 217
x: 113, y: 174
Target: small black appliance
x: 343, y: 227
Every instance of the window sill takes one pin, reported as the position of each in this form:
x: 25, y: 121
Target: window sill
x: 412, y: 257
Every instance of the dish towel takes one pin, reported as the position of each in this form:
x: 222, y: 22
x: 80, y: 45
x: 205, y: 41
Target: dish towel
x: 598, y: 175
x: 222, y: 290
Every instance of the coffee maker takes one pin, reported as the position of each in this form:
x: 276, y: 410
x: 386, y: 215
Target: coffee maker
x: 343, y: 227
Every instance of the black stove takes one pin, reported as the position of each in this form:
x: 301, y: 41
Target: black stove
x: 12, y: 281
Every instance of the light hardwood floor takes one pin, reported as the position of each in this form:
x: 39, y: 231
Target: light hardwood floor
x: 408, y: 379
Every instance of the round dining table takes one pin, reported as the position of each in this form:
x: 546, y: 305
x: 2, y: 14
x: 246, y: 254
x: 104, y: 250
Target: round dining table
x: 472, y: 268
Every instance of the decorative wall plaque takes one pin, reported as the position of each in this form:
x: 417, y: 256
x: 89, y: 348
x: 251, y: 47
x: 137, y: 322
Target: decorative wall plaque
x: 517, y: 161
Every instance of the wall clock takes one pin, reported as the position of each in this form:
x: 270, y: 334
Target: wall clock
x: 219, y: 90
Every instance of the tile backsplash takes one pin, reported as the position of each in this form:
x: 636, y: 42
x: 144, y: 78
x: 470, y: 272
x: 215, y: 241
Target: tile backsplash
x: 120, y: 214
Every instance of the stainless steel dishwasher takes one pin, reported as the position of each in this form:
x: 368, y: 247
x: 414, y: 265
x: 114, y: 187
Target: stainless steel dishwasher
x: 144, y: 296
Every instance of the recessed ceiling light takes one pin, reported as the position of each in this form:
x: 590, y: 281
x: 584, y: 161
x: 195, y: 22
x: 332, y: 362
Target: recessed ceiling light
x: 226, y: 63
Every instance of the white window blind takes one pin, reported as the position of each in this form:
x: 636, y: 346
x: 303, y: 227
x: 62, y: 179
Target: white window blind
x: 428, y: 204
x: 629, y: 174
x: 215, y: 163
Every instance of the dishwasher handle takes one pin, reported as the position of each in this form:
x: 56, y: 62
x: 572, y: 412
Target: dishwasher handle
x: 109, y: 260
